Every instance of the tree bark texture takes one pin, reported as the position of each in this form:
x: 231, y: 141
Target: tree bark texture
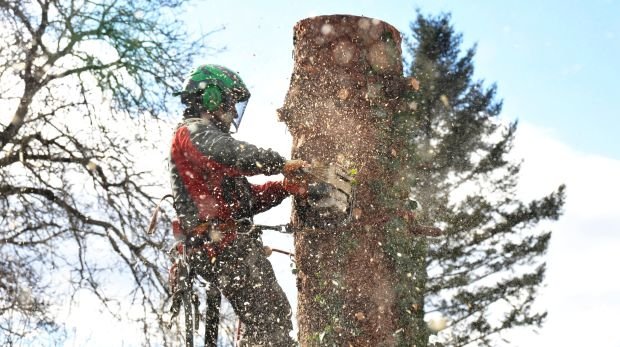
x: 345, y: 87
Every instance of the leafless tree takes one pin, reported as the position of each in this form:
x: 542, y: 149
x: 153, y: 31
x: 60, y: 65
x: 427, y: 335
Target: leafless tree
x: 83, y: 84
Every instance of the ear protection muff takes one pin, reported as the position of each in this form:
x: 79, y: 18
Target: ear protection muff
x: 211, y: 99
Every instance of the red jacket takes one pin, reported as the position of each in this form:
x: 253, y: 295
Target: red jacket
x: 208, y: 169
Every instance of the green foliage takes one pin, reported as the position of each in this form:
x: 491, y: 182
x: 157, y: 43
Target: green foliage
x: 451, y: 152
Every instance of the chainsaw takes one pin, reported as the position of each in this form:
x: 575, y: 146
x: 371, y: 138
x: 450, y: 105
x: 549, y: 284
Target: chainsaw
x: 330, y: 195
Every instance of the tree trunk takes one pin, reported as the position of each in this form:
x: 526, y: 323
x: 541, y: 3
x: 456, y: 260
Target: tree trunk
x: 346, y: 87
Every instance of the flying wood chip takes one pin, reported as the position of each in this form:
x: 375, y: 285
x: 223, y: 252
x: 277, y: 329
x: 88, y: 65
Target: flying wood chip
x: 414, y: 83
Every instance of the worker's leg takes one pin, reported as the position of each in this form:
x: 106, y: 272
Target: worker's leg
x: 247, y: 280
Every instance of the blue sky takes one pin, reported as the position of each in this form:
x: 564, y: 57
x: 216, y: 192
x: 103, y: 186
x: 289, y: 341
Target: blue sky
x: 553, y: 61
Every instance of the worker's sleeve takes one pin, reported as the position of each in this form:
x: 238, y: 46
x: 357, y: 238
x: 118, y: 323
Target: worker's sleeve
x: 267, y: 195
x: 245, y: 158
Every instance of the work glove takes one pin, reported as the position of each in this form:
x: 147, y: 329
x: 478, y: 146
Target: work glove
x: 297, y: 186
x: 294, y: 181
x: 294, y: 167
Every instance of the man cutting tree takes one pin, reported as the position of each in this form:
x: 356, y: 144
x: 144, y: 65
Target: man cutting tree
x: 215, y: 202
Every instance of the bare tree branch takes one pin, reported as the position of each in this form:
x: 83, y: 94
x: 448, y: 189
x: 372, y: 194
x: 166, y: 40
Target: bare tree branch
x: 87, y: 80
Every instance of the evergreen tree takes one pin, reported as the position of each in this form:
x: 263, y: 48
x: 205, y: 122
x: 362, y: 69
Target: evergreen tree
x: 484, y: 273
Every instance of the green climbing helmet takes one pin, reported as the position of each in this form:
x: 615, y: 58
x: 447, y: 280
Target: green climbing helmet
x: 209, y: 87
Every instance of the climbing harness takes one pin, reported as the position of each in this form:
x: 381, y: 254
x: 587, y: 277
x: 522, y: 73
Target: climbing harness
x: 182, y: 277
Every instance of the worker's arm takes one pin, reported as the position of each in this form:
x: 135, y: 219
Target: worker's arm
x: 270, y: 194
x: 209, y: 148
x: 267, y: 195
x: 242, y: 157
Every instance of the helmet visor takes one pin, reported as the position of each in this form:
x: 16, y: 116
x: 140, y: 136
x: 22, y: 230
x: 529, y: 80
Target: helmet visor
x: 240, y: 108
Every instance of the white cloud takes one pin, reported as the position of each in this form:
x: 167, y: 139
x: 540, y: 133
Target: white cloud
x: 582, y: 294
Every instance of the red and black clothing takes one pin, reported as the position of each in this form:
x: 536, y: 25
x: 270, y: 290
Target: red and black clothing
x: 208, y: 169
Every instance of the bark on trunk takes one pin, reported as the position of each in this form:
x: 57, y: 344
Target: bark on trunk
x: 346, y: 85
